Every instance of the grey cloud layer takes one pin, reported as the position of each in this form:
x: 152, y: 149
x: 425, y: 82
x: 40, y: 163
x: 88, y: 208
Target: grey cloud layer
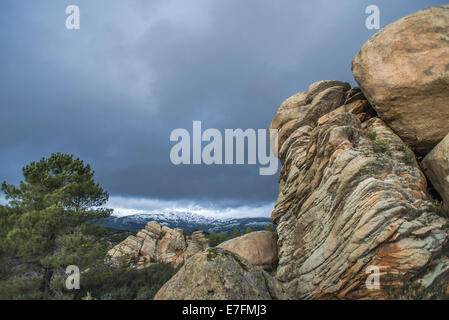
x: 112, y: 92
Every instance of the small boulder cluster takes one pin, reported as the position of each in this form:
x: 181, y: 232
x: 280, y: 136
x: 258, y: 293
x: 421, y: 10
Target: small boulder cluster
x: 156, y: 244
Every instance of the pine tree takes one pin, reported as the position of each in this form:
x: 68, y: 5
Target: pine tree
x: 248, y: 230
x: 5, y: 226
x: 222, y: 237
x: 270, y: 227
x: 47, y: 214
x: 235, y: 234
x: 213, y: 239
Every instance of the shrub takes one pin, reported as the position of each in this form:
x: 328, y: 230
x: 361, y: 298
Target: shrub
x: 270, y: 227
x: 381, y: 145
x: 235, y: 234
x: 20, y: 288
x: 409, y: 156
x: 371, y: 135
x: 440, y: 208
x: 125, y: 285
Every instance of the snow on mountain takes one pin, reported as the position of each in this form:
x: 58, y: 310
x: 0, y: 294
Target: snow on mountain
x: 186, y: 220
x: 134, y: 213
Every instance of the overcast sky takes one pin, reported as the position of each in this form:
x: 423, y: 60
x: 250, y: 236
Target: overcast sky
x: 112, y: 92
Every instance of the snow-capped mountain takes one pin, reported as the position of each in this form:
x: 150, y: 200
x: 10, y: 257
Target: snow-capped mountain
x: 186, y: 221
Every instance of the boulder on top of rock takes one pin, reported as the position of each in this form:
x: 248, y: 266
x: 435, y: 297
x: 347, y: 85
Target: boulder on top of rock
x: 217, y: 274
x: 403, y: 70
x: 259, y: 248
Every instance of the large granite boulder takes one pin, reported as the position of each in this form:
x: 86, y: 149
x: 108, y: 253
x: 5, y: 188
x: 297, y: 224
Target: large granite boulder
x: 403, y: 70
x: 217, y: 274
x: 352, y: 196
x: 259, y: 248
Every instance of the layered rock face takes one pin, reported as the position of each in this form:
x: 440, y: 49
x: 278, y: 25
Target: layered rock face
x: 259, y: 248
x: 157, y: 244
x: 351, y: 195
x: 404, y: 72
x: 217, y: 274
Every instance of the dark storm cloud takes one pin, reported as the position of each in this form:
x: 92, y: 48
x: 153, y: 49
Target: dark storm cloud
x: 112, y: 91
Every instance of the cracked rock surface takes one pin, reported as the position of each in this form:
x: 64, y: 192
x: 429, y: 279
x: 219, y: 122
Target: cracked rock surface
x: 351, y: 195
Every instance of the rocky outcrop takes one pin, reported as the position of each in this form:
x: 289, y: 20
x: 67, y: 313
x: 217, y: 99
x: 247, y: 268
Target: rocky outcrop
x: 436, y: 168
x: 403, y: 70
x: 351, y: 195
x: 217, y: 274
x: 306, y: 108
x: 156, y: 244
x: 259, y: 248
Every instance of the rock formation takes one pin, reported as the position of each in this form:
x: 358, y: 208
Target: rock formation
x: 351, y: 195
x: 403, y: 70
x: 157, y: 244
x: 259, y: 248
x: 217, y: 274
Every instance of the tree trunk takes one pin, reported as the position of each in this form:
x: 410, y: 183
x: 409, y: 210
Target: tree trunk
x: 45, y: 284
x: 48, y: 271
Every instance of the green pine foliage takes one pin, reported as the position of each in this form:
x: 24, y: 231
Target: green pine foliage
x: 235, y: 233
x: 102, y: 284
x: 216, y: 239
x: 213, y: 239
x: 270, y: 227
x: 44, y: 224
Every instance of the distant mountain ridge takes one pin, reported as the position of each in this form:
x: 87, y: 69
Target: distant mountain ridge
x: 187, y: 221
